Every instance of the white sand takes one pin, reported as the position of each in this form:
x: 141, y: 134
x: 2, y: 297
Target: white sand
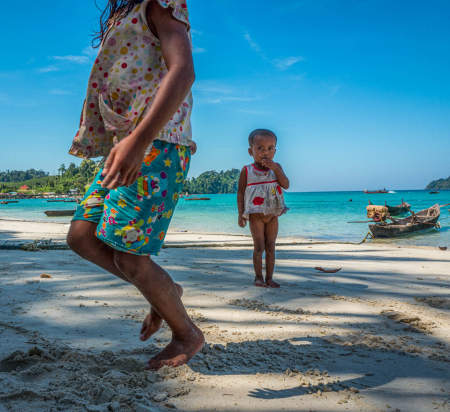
x: 372, y: 337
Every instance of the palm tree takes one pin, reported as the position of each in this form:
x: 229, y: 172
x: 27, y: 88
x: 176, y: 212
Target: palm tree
x: 62, y: 169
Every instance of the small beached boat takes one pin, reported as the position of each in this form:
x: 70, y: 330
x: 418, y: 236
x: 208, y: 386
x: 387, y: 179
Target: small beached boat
x: 59, y: 212
x: 398, y: 210
x: 55, y: 200
x: 425, y: 219
x: 197, y: 198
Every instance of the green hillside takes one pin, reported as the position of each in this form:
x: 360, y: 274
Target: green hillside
x: 439, y: 184
x: 214, y: 182
x: 37, y: 181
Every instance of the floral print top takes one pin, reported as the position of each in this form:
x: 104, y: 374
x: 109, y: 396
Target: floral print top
x: 123, y: 83
x: 263, y: 193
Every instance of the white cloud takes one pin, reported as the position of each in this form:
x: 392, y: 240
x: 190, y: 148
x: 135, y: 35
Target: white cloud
x: 87, y: 56
x: 284, y: 64
x: 73, y: 59
x: 48, y: 69
x: 211, y: 87
x: 224, y: 99
x: 198, y: 50
x: 212, y: 92
x: 281, y: 64
x: 252, y: 43
x: 90, y: 51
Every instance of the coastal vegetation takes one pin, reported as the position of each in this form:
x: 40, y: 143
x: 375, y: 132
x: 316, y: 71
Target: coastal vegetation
x: 34, y: 181
x: 439, y: 184
x: 75, y: 177
x: 20, y: 175
x: 213, y: 182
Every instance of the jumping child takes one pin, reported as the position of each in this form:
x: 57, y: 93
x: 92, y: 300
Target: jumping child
x: 137, y: 115
x: 260, y: 200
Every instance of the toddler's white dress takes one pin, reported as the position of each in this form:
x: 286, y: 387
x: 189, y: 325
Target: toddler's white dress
x: 263, y: 193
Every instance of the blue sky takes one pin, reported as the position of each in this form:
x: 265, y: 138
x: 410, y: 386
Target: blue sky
x: 358, y: 91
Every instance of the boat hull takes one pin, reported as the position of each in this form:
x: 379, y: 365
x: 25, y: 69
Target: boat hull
x: 425, y: 219
x: 399, y: 210
x: 59, y: 212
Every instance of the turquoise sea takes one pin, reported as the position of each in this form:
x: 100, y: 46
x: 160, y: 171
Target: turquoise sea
x: 320, y: 215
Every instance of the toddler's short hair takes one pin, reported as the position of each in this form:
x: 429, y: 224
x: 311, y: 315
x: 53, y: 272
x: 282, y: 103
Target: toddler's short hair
x: 260, y: 132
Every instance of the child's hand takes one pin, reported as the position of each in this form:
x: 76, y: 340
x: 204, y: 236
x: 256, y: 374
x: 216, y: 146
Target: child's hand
x: 278, y: 170
x: 270, y: 164
x: 242, y: 221
x: 193, y: 147
x: 123, y: 163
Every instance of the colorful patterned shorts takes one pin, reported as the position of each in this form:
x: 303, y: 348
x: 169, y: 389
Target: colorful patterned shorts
x: 135, y: 219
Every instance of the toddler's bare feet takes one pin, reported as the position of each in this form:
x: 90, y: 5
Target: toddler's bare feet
x: 271, y: 284
x: 153, y: 320
x: 179, y: 351
x: 260, y: 283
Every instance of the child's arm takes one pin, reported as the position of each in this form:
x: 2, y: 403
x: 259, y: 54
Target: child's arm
x: 125, y: 159
x: 279, y: 173
x: 240, y: 197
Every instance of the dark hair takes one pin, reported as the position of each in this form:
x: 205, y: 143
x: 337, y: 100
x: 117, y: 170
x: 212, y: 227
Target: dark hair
x: 260, y: 132
x: 115, y: 10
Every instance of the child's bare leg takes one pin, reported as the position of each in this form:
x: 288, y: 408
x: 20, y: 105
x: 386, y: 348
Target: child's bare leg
x: 270, y: 236
x: 257, y: 230
x: 82, y: 240
x: 158, y: 288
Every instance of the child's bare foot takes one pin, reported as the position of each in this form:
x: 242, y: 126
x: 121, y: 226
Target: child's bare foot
x: 153, y: 320
x: 260, y: 283
x: 179, y: 351
x: 271, y: 284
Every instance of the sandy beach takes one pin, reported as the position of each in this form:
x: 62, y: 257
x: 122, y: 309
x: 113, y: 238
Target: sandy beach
x: 372, y: 337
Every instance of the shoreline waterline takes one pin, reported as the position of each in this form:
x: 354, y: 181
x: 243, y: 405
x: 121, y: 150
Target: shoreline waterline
x: 315, y: 216
x: 38, y: 231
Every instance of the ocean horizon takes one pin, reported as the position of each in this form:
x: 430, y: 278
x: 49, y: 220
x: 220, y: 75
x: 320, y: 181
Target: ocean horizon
x: 312, y: 215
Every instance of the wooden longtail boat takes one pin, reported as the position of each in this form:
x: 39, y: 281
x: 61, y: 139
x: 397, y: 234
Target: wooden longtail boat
x: 197, y: 198
x: 59, y: 212
x: 398, y: 210
x: 425, y: 219
x: 5, y: 202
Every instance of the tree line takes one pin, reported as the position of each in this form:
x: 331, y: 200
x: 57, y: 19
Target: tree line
x: 21, y: 175
x: 213, y: 182
x: 38, y: 181
x: 78, y: 177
